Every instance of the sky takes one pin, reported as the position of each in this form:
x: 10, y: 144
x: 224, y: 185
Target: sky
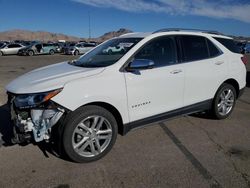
x: 71, y: 17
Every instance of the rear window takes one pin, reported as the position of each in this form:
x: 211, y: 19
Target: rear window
x: 194, y: 48
x: 229, y: 44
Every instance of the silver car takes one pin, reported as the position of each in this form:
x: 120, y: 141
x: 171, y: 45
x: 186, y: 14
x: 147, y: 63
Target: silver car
x: 10, y: 49
x: 80, y: 48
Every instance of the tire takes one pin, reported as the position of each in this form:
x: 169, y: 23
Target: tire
x: 51, y: 52
x: 224, y: 101
x: 1, y: 53
x: 81, y: 136
x: 30, y: 53
x: 110, y: 52
x: 122, y: 51
x: 76, y: 52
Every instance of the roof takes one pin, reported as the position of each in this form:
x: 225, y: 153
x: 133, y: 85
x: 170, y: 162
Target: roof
x: 175, y: 31
x: 135, y: 35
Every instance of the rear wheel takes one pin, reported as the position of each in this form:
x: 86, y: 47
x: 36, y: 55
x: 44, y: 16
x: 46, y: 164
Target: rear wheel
x: 30, y: 53
x: 1, y: 53
x: 224, y: 101
x: 76, y: 52
x: 89, y: 134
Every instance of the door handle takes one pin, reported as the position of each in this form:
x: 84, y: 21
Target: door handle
x: 219, y: 63
x: 176, y: 71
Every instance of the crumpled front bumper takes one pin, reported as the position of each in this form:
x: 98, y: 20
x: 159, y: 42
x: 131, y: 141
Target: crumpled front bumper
x: 33, y: 125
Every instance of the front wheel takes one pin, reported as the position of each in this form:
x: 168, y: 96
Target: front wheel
x: 89, y: 134
x: 1, y: 53
x: 224, y: 101
x: 51, y: 52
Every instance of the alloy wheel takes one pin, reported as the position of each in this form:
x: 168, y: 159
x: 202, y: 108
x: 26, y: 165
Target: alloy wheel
x: 226, y: 102
x: 92, y: 136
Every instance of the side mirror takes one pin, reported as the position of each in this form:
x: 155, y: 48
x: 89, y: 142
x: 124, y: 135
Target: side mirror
x: 140, y: 64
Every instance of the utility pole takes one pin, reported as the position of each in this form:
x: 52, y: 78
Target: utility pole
x: 89, y: 27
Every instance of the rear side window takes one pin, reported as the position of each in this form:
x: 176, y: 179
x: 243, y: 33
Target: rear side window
x: 229, y: 44
x: 194, y: 48
x: 213, y: 50
x: 14, y: 46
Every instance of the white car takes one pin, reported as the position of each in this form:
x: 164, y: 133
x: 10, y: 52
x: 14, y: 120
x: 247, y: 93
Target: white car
x: 114, y: 49
x: 11, y: 49
x: 80, y: 48
x: 87, y: 102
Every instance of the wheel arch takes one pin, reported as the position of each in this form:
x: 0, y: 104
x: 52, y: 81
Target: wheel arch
x: 235, y: 84
x: 113, y: 111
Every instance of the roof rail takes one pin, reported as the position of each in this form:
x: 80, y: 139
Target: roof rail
x: 189, y: 30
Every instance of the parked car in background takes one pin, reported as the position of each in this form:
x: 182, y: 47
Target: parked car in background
x: 27, y: 43
x: 241, y: 46
x: 38, y: 49
x: 10, y: 49
x: 114, y: 49
x: 58, y: 47
x: 247, y: 48
x: 66, y: 45
x: 80, y: 48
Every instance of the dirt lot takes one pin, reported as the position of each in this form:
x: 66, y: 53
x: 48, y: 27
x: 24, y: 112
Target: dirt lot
x: 191, y: 151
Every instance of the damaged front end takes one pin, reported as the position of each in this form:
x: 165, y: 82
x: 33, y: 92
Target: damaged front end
x: 34, y: 115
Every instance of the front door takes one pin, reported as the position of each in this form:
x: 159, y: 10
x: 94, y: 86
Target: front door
x: 157, y: 90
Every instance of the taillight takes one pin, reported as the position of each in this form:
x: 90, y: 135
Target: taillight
x: 244, y: 59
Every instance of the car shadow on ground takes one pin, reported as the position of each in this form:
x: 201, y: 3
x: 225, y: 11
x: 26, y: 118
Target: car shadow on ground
x: 6, y: 126
x: 6, y: 134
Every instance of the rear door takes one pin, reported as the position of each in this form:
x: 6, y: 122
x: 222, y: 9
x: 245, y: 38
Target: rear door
x: 157, y: 90
x: 205, y: 68
x: 87, y: 47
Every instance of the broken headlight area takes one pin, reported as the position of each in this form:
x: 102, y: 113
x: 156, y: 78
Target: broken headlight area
x: 34, y: 115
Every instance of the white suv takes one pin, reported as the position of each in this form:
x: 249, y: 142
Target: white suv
x: 84, y: 104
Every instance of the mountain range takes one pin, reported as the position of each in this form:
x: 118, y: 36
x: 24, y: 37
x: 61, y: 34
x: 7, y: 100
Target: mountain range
x: 48, y: 36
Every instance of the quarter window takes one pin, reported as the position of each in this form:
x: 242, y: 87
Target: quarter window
x: 194, y: 48
x: 162, y: 51
x: 229, y: 44
x: 213, y: 50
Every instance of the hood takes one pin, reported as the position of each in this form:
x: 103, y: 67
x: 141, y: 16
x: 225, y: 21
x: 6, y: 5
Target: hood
x: 49, y: 78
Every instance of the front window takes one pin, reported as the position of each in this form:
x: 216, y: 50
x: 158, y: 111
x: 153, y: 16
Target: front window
x: 161, y: 51
x: 107, y: 53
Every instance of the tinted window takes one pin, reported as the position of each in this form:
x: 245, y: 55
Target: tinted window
x: 162, y: 51
x: 229, y: 44
x: 38, y: 46
x: 89, y: 45
x: 213, y: 50
x: 14, y: 46
x: 194, y: 48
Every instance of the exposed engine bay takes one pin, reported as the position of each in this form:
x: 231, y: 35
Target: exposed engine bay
x: 33, y: 123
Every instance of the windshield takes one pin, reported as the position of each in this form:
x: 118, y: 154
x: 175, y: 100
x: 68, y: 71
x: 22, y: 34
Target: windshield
x: 107, y: 53
x: 3, y: 45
